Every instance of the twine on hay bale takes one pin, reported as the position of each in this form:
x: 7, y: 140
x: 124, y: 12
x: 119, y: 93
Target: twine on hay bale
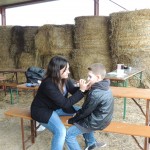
x: 29, y: 35
x: 130, y: 36
x: 54, y: 37
x: 80, y: 61
x: 92, y: 32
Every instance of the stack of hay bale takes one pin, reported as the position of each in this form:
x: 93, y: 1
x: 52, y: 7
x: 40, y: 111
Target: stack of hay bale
x: 130, y: 36
x: 53, y: 40
x: 27, y: 56
x: 5, y: 42
x: 22, y: 49
x: 91, y: 44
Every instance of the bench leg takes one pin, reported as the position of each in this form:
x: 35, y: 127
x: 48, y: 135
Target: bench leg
x: 125, y: 84
x: 33, y: 131
x: 12, y: 95
x: 146, y: 145
x: 4, y: 89
x: 22, y: 132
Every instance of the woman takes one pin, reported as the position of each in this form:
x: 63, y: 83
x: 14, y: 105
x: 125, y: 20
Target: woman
x: 51, y: 99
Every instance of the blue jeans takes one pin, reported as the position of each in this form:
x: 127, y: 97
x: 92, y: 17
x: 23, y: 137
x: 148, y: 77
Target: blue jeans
x: 60, y: 112
x: 72, y: 134
x: 58, y: 129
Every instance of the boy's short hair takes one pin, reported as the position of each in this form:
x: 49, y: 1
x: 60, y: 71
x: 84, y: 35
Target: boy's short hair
x: 98, y: 69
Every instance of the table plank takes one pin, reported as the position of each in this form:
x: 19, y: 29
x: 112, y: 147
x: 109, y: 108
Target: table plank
x: 12, y: 70
x: 130, y: 92
x: 128, y: 73
x: 24, y: 87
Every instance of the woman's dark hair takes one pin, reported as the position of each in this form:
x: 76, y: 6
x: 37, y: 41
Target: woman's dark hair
x: 53, y: 70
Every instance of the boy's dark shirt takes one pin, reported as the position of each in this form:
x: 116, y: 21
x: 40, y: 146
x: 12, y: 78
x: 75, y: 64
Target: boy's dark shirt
x: 97, y: 110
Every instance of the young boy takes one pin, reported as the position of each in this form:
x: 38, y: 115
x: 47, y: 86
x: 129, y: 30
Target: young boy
x: 96, y: 112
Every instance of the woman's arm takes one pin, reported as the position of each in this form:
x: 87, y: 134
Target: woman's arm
x: 88, y: 107
x: 53, y: 93
x: 71, y: 88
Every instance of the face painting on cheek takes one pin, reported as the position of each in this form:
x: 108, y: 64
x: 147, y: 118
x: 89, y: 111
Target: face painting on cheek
x: 92, y: 78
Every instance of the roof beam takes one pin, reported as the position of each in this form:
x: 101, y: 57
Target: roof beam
x: 96, y: 7
x: 23, y: 3
x: 3, y: 16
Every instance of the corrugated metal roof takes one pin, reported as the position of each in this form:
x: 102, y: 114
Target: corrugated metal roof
x: 14, y: 3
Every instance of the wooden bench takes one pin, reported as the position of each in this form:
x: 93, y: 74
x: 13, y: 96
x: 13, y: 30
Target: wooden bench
x: 114, y: 127
x: 23, y: 113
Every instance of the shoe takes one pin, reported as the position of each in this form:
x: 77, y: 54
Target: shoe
x: 40, y: 127
x: 96, y: 145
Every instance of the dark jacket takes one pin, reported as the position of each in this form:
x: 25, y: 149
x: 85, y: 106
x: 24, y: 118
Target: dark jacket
x: 49, y: 98
x: 97, y: 110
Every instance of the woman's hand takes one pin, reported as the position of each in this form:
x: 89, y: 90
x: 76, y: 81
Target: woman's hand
x: 74, y: 114
x: 83, y: 85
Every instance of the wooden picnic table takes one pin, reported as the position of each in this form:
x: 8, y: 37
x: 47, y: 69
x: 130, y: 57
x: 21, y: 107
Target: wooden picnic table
x: 136, y: 93
x: 123, y: 79
x: 2, y: 78
x: 13, y: 71
x: 24, y: 87
x: 128, y: 73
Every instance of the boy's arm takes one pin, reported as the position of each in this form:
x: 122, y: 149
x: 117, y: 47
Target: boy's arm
x: 86, y: 110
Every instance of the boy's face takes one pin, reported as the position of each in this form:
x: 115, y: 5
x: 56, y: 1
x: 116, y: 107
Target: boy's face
x: 92, y: 78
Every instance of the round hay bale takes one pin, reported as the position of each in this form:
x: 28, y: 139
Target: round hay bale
x: 54, y: 37
x: 130, y: 36
x: 80, y: 61
x: 29, y: 35
x: 92, y: 32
